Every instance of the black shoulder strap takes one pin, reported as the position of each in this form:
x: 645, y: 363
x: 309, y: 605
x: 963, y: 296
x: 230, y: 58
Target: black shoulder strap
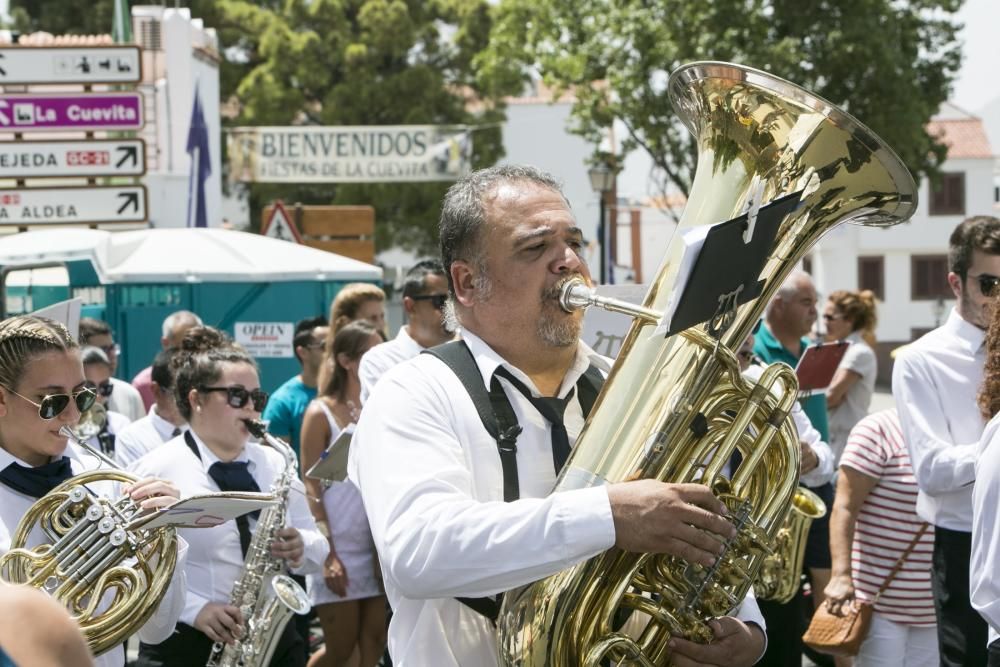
x: 493, y: 407
x: 500, y: 422
x: 588, y: 387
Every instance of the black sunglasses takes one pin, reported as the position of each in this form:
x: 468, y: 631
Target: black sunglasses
x: 53, y: 404
x: 437, y: 300
x: 104, y: 389
x: 987, y: 284
x: 237, y: 397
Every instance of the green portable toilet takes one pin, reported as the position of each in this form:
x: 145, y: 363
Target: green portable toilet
x: 253, y: 287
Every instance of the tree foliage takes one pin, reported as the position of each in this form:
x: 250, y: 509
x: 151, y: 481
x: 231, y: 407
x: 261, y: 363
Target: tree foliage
x: 362, y: 62
x: 342, y: 62
x: 890, y: 63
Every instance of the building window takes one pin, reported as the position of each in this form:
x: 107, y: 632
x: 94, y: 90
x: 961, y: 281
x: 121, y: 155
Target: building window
x: 948, y: 194
x: 871, y: 275
x: 929, y: 277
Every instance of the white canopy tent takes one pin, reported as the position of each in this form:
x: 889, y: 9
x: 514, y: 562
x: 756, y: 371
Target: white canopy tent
x: 182, y: 255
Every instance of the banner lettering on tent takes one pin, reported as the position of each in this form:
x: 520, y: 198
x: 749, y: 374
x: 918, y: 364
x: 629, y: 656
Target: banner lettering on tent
x: 350, y: 154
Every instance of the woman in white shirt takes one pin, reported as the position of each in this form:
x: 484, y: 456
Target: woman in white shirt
x: 218, y: 388
x: 850, y: 316
x: 97, y: 370
x: 42, y: 390
x: 347, y: 595
x: 984, y: 576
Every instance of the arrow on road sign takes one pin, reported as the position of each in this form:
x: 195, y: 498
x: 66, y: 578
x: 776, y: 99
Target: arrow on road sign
x: 130, y: 198
x: 130, y: 153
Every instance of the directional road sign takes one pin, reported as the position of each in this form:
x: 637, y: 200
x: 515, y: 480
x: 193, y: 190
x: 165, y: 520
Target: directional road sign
x: 98, y: 157
x: 70, y: 64
x: 71, y: 111
x: 46, y: 206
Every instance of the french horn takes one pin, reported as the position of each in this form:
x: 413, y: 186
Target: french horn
x: 675, y: 407
x: 109, y: 574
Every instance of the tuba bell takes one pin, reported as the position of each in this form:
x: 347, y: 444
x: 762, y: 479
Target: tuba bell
x: 675, y: 408
x: 83, y: 564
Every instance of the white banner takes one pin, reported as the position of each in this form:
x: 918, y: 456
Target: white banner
x: 349, y: 154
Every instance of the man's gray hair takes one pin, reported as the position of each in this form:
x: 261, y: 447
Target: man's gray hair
x: 789, y: 287
x: 173, y: 319
x: 463, y: 212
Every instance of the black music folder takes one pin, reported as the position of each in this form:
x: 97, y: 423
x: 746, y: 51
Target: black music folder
x: 725, y: 264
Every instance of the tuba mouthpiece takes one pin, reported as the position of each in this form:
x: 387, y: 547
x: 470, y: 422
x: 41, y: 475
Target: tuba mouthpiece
x: 575, y: 295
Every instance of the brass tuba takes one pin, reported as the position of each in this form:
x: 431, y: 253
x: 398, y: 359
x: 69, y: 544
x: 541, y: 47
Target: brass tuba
x: 83, y: 564
x: 675, y: 408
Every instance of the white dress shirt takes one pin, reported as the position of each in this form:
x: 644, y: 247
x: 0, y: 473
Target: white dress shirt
x: 823, y: 471
x: 984, y: 573
x: 126, y: 400
x: 935, y: 381
x: 13, y: 506
x: 215, y: 560
x: 432, y: 485
x: 143, y: 436
x: 376, y: 361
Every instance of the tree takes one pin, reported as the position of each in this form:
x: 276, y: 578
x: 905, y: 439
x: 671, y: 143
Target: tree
x: 344, y: 62
x: 890, y: 63
x: 362, y: 62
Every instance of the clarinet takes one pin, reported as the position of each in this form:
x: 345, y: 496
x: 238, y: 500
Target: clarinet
x: 265, y: 596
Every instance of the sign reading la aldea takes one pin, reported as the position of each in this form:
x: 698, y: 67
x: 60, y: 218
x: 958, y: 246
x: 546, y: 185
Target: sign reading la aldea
x: 350, y: 154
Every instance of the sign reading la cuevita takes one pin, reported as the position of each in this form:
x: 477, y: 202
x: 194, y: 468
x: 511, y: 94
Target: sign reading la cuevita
x: 350, y: 154
x: 69, y: 111
x: 86, y: 204
x: 97, y: 157
x: 70, y: 64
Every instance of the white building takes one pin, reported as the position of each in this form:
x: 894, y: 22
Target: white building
x: 179, y: 55
x: 906, y: 265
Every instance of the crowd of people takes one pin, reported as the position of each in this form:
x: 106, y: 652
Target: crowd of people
x: 449, y: 503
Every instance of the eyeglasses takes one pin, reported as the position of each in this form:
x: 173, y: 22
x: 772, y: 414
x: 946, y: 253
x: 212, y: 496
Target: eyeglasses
x: 987, y: 284
x: 237, y: 397
x: 112, y: 350
x: 104, y: 389
x: 52, y: 405
x: 831, y: 318
x: 437, y: 300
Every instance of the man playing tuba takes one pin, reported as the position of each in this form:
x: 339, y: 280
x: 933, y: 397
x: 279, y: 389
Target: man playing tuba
x: 434, y: 480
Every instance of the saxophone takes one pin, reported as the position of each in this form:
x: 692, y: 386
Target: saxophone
x: 266, y: 598
x: 675, y: 407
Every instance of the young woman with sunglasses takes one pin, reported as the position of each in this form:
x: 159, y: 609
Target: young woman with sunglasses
x: 42, y: 390
x: 217, y: 388
x: 97, y: 370
x: 347, y: 595
x: 850, y: 316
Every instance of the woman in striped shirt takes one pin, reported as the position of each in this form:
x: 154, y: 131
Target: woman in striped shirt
x: 874, y: 520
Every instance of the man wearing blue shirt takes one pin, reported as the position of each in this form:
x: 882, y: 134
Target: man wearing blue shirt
x: 783, y: 338
x: 287, y: 405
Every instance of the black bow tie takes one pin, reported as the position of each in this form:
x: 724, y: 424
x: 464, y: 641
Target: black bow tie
x: 235, y: 476
x: 36, y: 482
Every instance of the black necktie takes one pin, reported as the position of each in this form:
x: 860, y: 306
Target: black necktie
x: 553, y: 410
x: 177, y: 432
x: 36, y: 482
x: 234, y: 476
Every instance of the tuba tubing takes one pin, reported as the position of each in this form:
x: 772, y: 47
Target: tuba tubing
x: 675, y: 408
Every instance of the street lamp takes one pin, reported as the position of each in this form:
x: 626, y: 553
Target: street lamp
x: 602, y: 180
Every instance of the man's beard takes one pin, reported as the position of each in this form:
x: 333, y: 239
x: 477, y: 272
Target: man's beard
x: 555, y: 327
